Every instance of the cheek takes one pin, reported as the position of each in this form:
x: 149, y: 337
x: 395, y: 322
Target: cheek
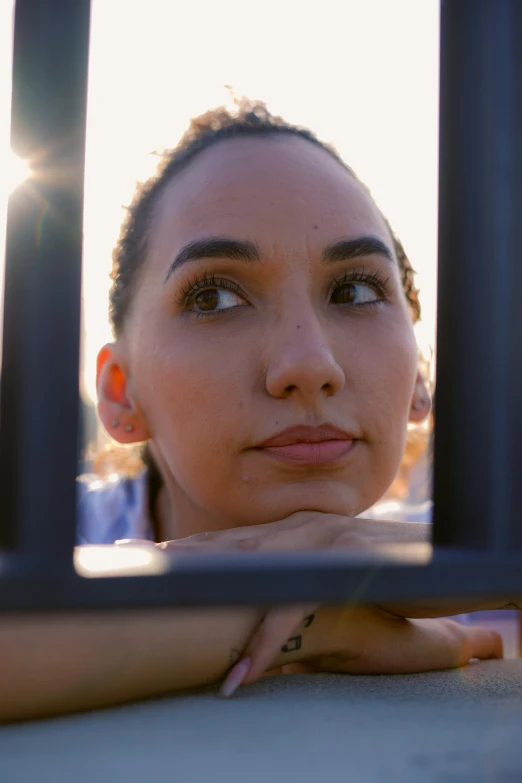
x: 385, y: 377
x: 191, y: 391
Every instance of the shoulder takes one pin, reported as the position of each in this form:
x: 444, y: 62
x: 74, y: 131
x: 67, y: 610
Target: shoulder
x: 112, y: 508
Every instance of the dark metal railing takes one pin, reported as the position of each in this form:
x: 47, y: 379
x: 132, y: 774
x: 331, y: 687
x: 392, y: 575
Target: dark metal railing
x: 478, y: 463
x: 39, y: 394
x: 478, y: 459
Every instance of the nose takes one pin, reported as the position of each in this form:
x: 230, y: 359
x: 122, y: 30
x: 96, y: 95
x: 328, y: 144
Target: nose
x: 302, y: 363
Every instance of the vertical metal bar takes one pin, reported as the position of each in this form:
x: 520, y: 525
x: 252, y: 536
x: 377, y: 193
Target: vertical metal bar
x: 39, y: 389
x: 478, y: 454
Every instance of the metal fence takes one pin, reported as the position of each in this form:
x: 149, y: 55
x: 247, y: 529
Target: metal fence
x: 477, y: 532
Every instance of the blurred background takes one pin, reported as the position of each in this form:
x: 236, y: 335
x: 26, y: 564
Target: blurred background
x: 363, y: 74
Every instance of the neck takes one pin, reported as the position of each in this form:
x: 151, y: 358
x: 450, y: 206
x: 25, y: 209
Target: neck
x: 164, y: 529
x: 174, y: 516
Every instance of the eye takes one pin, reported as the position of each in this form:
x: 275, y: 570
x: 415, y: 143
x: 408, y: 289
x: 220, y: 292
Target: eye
x: 210, y: 295
x: 212, y: 300
x: 355, y: 294
x: 359, y: 288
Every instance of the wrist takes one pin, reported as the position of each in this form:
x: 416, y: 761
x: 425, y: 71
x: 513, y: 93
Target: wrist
x: 306, y: 642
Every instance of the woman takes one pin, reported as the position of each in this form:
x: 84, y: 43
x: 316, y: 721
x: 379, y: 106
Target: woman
x: 264, y: 352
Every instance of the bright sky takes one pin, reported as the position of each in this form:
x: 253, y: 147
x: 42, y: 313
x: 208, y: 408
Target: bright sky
x: 363, y: 74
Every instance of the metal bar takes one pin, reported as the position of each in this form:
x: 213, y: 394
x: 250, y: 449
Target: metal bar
x: 248, y: 579
x: 478, y: 459
x: 39, y: 390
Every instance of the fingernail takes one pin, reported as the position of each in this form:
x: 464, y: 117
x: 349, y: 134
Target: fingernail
x: 235, y: 677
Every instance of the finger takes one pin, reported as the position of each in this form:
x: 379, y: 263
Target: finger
x: 301, y: 532
x: 276, y: 636
x: 446, y: 644
x: 304, y: 529
x: 409, y: 646
x: 218, y: 541
x: 483, y: 643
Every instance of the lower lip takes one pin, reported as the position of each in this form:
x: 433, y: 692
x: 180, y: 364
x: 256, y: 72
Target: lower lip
x: 310, y: 454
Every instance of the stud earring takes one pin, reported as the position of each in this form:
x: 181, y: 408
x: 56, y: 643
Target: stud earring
x: 115, y: 422
x: 128, y: 428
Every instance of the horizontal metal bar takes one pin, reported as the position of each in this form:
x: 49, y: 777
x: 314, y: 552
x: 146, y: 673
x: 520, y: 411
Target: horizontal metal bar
x: 248, y: 579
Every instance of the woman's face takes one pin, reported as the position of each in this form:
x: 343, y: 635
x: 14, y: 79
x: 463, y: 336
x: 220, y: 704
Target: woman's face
x: 270, y: 299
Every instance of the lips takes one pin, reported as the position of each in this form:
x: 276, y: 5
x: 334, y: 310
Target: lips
x: 309, y: 446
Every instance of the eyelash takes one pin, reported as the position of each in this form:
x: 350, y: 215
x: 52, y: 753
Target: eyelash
x: 372, y: 278
x: 193, y: 287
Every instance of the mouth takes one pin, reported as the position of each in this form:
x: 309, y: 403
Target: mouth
x: 309, y: 446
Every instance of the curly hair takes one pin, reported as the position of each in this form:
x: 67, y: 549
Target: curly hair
x: 249, y: 119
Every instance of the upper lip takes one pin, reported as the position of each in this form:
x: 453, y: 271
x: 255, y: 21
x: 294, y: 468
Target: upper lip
x: 304, y: 434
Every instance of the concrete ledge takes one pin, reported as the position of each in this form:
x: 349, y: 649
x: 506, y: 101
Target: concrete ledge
x: 453, y: 726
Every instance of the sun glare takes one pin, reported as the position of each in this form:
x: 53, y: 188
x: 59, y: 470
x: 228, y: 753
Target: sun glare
x: 17, y: 171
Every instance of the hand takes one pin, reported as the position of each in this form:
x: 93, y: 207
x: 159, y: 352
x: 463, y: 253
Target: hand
x: 414, y: 645
x: 365, y: 640
x: 307, y: 530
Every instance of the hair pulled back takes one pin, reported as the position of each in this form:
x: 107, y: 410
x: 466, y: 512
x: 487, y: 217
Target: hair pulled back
x: 249, y: 119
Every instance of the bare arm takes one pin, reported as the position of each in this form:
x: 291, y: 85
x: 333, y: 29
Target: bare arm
x: 58, y: 664
x: 55, y: 664
x: 61, y: 663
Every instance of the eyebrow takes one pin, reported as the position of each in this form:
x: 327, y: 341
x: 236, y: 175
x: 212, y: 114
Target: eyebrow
x: 346, y: 249
x: 243, y: 250
x: 215, y: 247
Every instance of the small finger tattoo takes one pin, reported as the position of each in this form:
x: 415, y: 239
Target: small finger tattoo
x: 309, y: 620
x: 294, y: 643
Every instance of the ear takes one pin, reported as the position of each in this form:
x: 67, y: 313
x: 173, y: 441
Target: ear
x: 421, y: 401
x: 121, y: 418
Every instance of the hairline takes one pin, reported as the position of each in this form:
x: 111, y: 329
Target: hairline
x: 164, y: 178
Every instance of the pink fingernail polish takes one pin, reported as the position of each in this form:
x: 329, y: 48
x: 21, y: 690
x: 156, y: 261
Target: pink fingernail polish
x: 235, y: 677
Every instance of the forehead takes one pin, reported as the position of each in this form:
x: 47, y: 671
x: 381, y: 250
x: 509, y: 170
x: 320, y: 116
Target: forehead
x: 276, y: 191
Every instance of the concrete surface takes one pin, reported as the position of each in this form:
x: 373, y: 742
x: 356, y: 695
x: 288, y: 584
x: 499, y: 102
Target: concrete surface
x: 451, y: 727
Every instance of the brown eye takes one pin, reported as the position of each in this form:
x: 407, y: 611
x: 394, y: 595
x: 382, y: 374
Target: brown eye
x: 355, y: 294
x: 345, y: 294
x: 215, y: 298
x: 207, y: 300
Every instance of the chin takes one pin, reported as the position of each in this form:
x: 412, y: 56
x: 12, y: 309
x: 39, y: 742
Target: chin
x: 323, y: 498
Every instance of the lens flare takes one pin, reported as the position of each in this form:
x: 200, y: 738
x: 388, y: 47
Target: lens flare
x: 17, y: 170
